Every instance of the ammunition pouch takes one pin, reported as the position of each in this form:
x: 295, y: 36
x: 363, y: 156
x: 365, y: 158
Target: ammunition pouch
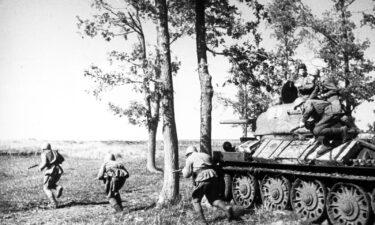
x: 117, y: 173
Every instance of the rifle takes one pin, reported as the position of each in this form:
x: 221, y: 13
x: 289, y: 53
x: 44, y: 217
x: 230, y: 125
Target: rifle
x: 294, y: 129
x: 33, y: 166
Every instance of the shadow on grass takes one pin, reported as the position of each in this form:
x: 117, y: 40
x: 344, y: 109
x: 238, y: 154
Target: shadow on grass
x: 133, y: 190
x: 238, y: 212
x: 143, y: 207
x: 84, y: 203
x: 77, y: 203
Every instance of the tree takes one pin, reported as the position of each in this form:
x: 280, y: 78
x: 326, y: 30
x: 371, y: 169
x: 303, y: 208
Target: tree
x: 343, y: 53
x: 283, y: 17
x: 248, y: 103
x: 170, y: 190
x: 216, y: 23
x: 368, y: 18
x: 141, y: 63
x: 204, y: 78
x: 253, y: 70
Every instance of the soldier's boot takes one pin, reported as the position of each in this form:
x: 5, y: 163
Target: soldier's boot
x: 323, y: 150
x: 344, y: 134
x: 59, y: 190
x: 51, y: 197
x: 199, y: 211
x: 114, y: 204
x: 119, y: 201
x: 226, y: 208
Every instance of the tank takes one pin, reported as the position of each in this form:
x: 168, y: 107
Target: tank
x: 282, y: 170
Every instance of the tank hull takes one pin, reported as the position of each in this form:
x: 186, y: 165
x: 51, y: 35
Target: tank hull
x: 287, y: 173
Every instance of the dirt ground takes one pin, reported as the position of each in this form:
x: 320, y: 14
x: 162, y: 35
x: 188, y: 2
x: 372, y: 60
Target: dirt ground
x: 22, y: 200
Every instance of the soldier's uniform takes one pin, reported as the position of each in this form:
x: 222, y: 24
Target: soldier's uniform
x: 331, y: 93
x: 324, y: 120
x: 305, y: 83
x: 50, y: 163
x: 206, y: 182
x: 114, y: 175
x: 325, y: 117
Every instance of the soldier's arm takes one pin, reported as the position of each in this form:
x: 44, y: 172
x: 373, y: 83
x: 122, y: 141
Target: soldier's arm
x: 308, y: 85
x: 314, y: 93
x: 43, y: 162
x: 101, y: 172
x: 187, y: 171
x: 330, y: 93
x: 126, y: 171
x: 330, y: 89
x: 308, y: 112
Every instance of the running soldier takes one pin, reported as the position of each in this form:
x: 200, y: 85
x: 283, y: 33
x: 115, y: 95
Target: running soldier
x: 206, y: 182
x: 50, y: 161
x: 114, y: 175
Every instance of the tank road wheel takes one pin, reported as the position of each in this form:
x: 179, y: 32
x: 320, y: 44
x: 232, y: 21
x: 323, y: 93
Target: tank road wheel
x: 373, y: 201
x: 244, y: 188
x: 348, y: 204
x: 275, y: 192
x: 308, y: 200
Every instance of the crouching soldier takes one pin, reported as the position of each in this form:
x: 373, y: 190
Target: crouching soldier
x: 206, y: 182
x: 325, y: 121
x: 114, y: 175
x: 51, y: 160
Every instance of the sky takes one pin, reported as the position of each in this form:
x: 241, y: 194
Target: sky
x: 43, y: 90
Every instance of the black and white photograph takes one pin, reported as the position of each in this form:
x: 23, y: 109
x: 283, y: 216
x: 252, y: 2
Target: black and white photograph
x: 186, y: 112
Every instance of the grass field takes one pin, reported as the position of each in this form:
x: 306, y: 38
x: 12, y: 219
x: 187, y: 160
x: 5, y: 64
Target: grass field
x: 22, y: 200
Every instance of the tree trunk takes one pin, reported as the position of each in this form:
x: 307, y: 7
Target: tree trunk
x: 204, y: 78
x: 151, y: 150
x: 345, y: 54
x: 152, y: 114
x: 170, y: 191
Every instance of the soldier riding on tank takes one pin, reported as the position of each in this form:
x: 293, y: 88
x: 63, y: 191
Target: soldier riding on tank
x: 325, y: 118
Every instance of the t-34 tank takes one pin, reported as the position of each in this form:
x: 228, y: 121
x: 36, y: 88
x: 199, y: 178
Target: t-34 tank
x: 281, y: 170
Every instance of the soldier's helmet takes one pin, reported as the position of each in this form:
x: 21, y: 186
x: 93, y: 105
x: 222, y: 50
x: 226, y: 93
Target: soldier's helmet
x: 109, y: 157
x: 299, y: 101
x: 46, y: 146
x: 190, y: 150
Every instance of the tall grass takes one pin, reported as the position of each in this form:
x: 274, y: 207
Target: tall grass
x: 93, y: 149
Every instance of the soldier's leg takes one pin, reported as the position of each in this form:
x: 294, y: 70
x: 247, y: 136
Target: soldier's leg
x: 119, y: 200
x: 197, y: 196
x: 213, y: 196
x: 47, y: 190
x: 118, y: 183
x: 226, y: 208
x: 114, y: 196
x: 348, y: 121
x: 332, y: 132
x: 114, y: 204
x: 58, y: 188
x: 325, y: 145
x: 198, y: 209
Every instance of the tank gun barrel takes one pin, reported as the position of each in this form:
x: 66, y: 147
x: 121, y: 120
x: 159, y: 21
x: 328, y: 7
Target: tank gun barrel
x: 238, y: 121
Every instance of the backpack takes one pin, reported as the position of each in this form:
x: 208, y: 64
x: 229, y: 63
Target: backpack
x: 57, y: 158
